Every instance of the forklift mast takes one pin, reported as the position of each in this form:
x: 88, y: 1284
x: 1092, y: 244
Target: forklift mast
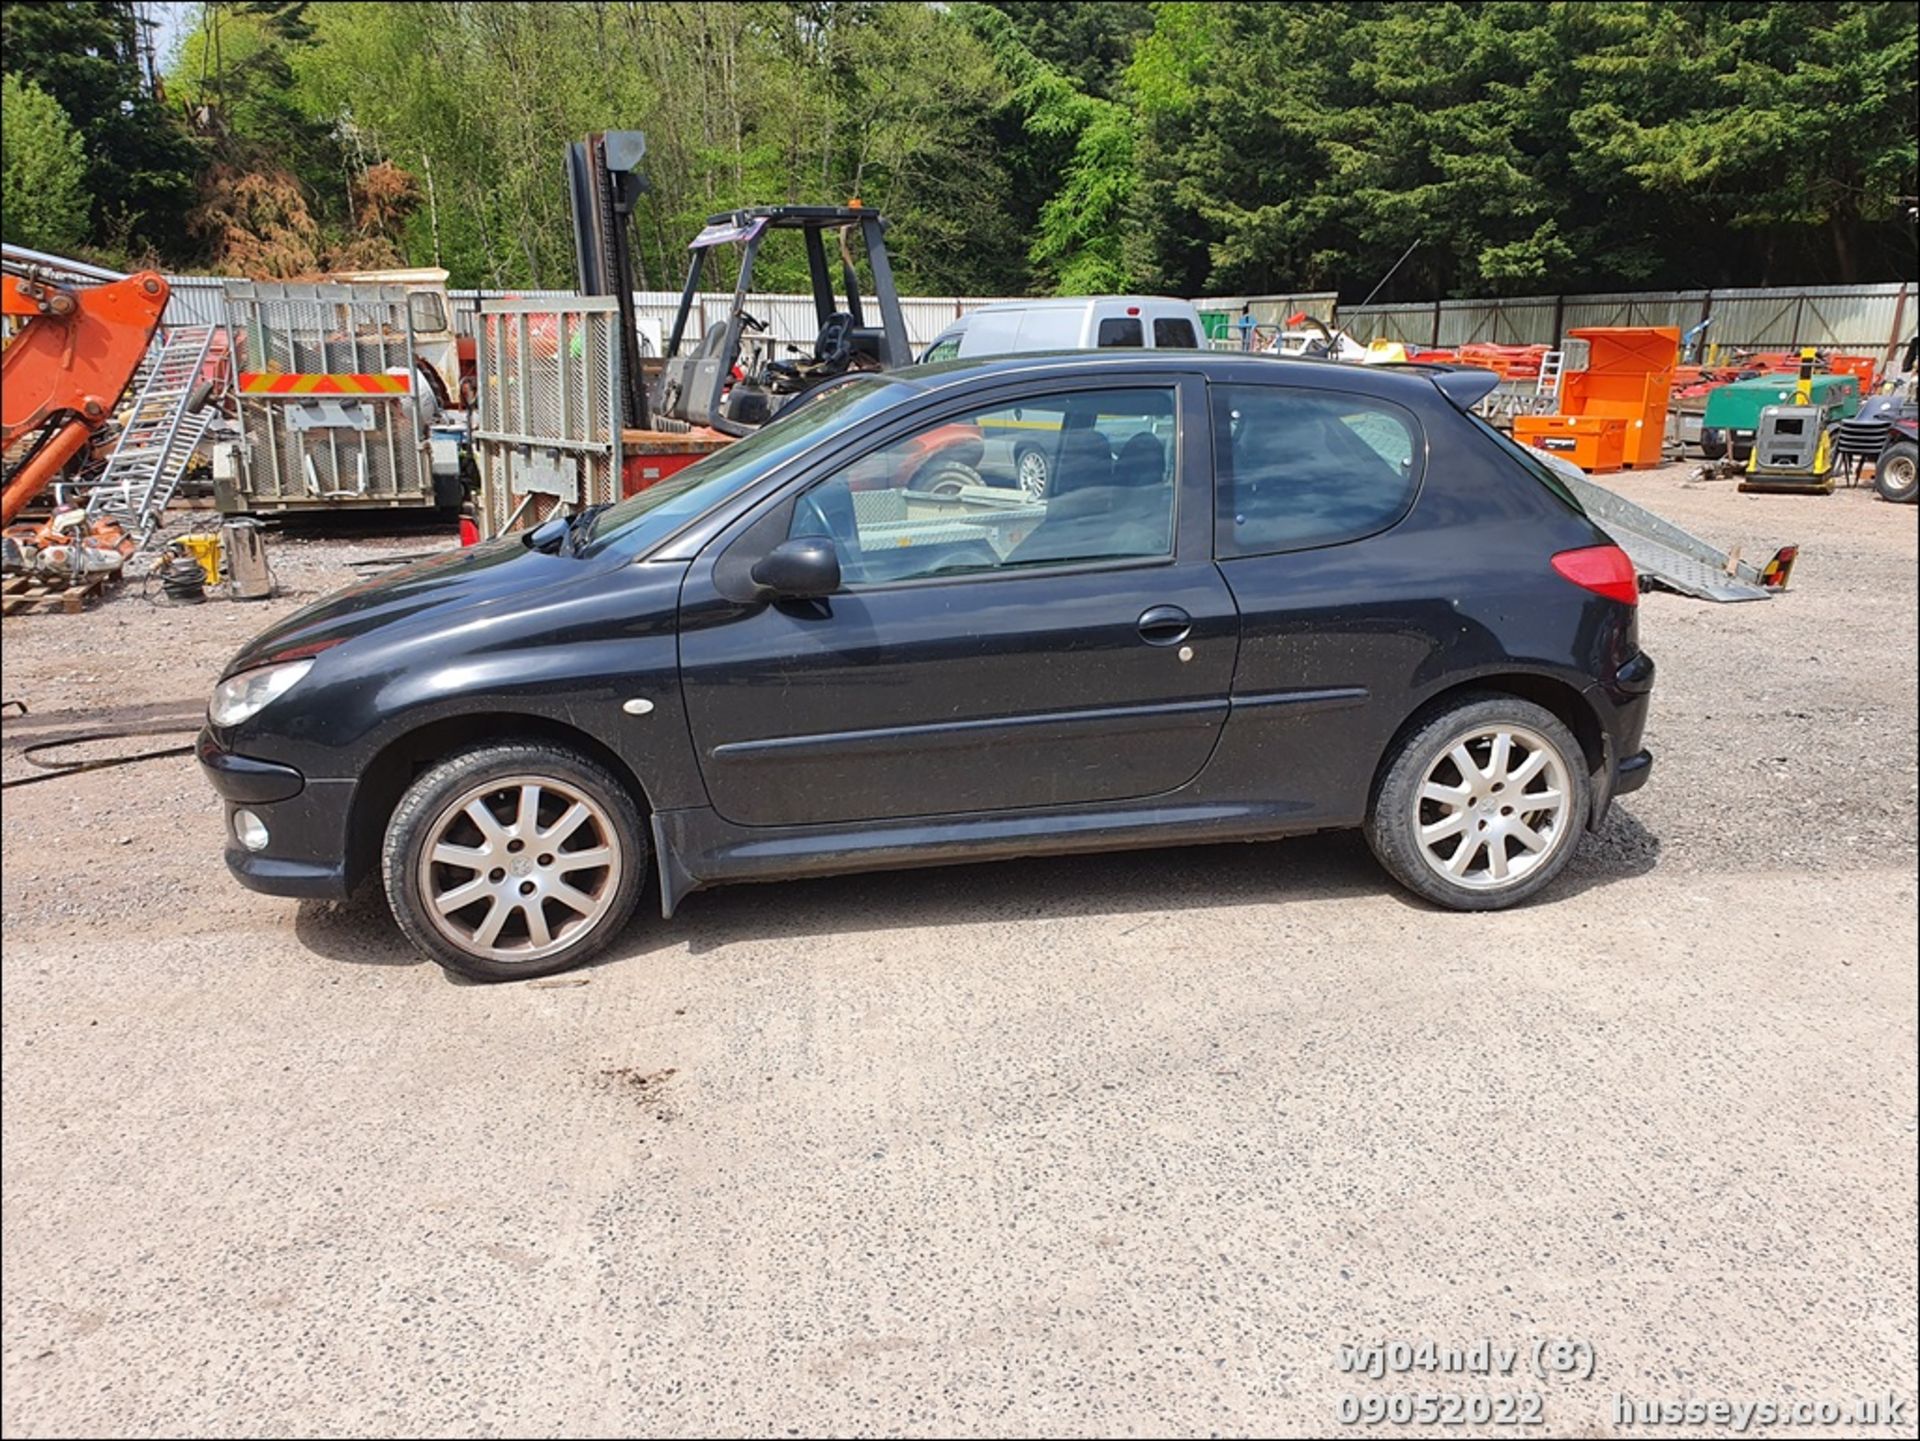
x: 604, y: 184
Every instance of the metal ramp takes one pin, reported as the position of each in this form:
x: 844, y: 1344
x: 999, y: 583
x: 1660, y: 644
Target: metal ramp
x: 159, y: 437
x: 1660, y: 550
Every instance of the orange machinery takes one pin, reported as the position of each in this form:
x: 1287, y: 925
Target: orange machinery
x: 1613, y: 414
x: 66, y: 369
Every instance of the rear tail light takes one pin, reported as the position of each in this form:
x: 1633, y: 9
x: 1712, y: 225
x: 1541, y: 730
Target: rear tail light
x: 1602, y: 569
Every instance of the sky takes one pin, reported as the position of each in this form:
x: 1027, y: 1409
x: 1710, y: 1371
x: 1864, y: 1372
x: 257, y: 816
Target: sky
x: 176, y: 18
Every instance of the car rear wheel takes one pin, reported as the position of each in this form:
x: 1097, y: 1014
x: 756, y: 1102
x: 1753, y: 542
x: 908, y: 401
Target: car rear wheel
x: 1895, y: 475
x: 1482, y: 804
x: 513, y: 861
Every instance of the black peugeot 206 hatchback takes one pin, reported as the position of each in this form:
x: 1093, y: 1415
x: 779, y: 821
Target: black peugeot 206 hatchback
x: 971, y: 611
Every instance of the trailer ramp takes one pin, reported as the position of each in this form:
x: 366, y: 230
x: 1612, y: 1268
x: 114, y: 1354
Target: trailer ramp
x: 1661, y: 551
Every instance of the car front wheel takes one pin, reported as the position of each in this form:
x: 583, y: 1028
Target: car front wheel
x: 513, y: 861
x: 1482, y: 804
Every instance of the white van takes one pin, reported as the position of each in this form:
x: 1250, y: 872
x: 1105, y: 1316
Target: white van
x: 1081, y: 322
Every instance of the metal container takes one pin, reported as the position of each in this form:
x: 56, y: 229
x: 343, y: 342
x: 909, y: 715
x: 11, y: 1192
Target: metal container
x: 245, y: 544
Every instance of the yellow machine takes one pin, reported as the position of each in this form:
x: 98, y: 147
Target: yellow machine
x: 1791, y: 451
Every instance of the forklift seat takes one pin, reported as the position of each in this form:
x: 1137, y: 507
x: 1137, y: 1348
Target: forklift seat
x: 868, y: 342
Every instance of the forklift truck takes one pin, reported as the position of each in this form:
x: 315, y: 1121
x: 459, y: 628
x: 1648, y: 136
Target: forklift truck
x: 702, y: 383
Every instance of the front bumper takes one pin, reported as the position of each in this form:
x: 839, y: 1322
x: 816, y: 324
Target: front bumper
x: 307, y: 824
x: 1632, y: 772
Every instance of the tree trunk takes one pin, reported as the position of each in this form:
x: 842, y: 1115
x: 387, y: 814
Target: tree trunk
x: 1843, y: 255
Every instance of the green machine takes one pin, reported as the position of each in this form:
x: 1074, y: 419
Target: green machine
x: 1733, y: 411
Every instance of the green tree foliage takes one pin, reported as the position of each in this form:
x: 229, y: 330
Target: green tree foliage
x: 1089, y: 41
x: 1082, y: 140
x: 43, y: 170
x: 1791, y: 127
x: 1501, y: 146
x: 141, y: 159
x: 741, y: 103
x: 1523, y: 147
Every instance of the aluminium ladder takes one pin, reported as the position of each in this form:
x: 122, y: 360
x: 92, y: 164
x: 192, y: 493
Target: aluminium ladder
x: 159, y: 437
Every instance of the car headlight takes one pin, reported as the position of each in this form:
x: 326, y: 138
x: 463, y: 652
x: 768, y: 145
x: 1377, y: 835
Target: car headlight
x: 243, y: 696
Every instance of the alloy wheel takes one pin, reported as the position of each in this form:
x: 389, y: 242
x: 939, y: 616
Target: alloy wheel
x: 1493, y: 807
x: 1030, y: 470
x: 519, y: 868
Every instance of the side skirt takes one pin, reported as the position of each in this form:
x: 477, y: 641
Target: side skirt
x: 697, y: 849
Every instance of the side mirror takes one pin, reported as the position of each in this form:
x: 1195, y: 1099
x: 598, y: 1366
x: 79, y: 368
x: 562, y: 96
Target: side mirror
x: 805, y: 568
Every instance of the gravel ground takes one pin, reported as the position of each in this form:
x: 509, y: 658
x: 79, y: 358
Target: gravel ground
x: 1126, y: 1144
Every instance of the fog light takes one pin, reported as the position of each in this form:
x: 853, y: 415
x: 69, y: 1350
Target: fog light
x: 250, y: 830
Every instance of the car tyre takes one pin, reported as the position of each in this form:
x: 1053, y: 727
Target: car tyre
x: 1713, y: 443
x: 1896, y: 475
x: 564, y: 855
x: 1527, y: 799
x: 944, y: 477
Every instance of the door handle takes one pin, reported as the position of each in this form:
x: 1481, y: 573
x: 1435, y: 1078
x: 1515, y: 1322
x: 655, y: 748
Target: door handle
x: 1165, y: 625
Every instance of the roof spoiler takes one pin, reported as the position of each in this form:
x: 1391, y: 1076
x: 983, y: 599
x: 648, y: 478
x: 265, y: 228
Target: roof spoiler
x: 1465, y: 385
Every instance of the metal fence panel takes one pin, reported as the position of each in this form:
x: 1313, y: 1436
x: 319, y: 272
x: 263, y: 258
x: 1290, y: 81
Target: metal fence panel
x: 1410, y: 324
x: 311, y: 448
x: 791, y: 316
x: 1525, y: 320
x: 549, y: 416
x: 1681, y: 309
x: 195, y: 300
x: 1765, y: 318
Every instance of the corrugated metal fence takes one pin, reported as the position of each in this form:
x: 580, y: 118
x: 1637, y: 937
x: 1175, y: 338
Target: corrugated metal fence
x: 789, y: 317
x: 1870, y: 319
x: 1874, y: 319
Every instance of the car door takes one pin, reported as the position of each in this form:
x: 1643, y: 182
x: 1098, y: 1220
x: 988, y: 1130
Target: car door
x: 987, y: 650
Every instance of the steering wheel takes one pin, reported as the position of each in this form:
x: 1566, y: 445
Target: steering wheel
x: 833, y: 345
x: 748, y: 322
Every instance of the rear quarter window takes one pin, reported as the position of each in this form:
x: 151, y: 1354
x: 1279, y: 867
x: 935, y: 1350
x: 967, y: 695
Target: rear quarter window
x: 1174, y: 335
x: 1295, y: 469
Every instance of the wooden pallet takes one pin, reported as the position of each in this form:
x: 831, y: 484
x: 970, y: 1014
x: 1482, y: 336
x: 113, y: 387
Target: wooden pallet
x: 25, y: 594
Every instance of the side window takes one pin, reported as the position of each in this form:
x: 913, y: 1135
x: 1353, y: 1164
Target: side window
x: 1119, y: 331
x: 944, y: 349
x: 1300, y: 468
x: 429, y: 314
x: 1174, y: 335
x: 1077, y: 476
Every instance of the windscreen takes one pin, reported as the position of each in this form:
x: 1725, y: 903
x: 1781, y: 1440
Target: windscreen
x: 660, y: 510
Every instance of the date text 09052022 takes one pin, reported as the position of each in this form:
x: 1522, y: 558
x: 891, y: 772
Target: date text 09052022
x: 1525, y: 1408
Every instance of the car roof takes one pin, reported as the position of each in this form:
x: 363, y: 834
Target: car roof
x: 1076, y: 302
x: 1409, y: 382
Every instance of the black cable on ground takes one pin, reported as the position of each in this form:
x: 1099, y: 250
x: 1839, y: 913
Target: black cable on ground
x: 56, y: 771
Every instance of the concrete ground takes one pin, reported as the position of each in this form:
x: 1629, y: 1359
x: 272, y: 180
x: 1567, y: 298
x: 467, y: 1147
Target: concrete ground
x: 1129, y: 1144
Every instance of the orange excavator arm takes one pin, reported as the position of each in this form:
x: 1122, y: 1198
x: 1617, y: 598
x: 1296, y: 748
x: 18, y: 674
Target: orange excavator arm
x: 68, y: 367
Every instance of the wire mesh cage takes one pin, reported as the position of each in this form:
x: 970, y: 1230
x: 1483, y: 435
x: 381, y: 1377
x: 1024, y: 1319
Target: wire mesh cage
x: 330, y: 404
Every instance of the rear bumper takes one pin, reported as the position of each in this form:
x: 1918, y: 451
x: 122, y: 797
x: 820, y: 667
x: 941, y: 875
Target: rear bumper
x: 1622, y: 709
x: 306, y: 820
